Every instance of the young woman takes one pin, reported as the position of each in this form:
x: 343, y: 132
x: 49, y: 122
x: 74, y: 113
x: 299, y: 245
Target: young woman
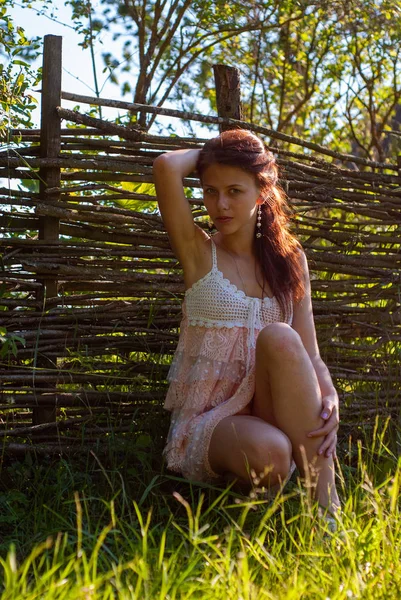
x: 248, y: 391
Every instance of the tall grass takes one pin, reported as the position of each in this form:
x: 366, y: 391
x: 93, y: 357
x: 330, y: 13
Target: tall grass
x: 125, y: 528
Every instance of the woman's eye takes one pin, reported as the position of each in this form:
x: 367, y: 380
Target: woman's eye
x: 235, y: 191
x: 208, y: 191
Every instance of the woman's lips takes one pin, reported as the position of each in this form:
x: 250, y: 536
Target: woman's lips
x: 223, y: 219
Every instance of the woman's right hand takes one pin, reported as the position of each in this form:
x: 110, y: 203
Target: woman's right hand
x: 182, y: 162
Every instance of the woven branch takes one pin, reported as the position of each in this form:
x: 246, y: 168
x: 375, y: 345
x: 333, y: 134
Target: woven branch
x: 120, y: 287
x: 216, y: 120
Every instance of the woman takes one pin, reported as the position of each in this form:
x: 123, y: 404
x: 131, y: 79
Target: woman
x: 248, y: 391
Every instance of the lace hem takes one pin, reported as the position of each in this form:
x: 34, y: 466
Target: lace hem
x: 219, y: 324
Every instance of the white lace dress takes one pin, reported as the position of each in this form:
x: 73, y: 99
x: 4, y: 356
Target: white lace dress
x: 212, y: 375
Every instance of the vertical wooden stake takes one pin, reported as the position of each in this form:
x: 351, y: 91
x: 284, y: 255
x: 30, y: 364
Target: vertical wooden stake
x: 50, y: 144
x: 228, y: 93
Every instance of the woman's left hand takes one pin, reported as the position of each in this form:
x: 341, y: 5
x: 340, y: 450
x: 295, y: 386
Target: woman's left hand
x: 330, y: 414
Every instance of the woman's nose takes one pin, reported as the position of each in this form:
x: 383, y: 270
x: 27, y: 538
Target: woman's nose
x: 222, y: 201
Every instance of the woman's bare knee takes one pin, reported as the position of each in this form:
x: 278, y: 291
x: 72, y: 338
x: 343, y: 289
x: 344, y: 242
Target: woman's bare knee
x: 241, y: 444
x: 272, y: 459
x: 277, y: 338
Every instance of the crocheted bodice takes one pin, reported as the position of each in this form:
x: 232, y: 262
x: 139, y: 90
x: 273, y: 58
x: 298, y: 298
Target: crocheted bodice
x: 213, y: 301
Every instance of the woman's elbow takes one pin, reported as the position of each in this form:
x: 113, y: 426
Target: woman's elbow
x: 160, y: 162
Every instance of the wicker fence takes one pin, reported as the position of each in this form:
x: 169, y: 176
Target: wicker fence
x: 91, y: 291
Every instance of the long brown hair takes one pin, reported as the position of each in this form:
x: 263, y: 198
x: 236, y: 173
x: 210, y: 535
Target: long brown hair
x: 277, y: 250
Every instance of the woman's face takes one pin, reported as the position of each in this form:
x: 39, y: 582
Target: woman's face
x: 232, y: 193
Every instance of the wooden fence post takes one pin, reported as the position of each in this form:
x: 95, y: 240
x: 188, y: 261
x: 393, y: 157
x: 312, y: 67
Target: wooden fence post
x: 50, y: 130
x: 228, y: 93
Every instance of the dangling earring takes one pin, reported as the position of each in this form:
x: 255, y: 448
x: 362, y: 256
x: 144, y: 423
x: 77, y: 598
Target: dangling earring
x: 259, y: 224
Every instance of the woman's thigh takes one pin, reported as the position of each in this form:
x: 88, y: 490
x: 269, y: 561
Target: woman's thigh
x: 244, y: 442
x: 284, y: 342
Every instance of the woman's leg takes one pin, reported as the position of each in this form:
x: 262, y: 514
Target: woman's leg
x: 288, y: 395
x: 243, y: 442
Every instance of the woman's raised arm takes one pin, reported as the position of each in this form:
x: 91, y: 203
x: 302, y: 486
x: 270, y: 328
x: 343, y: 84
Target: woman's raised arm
x: 168, y: 170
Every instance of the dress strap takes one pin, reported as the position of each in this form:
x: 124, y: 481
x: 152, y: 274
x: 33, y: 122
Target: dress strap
x: 214, y: 255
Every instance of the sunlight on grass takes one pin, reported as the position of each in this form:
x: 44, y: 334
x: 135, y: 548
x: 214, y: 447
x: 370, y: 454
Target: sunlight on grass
x: 126, y: 530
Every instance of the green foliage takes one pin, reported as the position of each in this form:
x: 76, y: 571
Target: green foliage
x: 16, y: 75
x: 325, y: 71
x: 139, y: 205
x: 8, y: 343
x: 322, y: 70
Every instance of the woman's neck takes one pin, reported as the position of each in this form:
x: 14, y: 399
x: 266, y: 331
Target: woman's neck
x: 239, y: 245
